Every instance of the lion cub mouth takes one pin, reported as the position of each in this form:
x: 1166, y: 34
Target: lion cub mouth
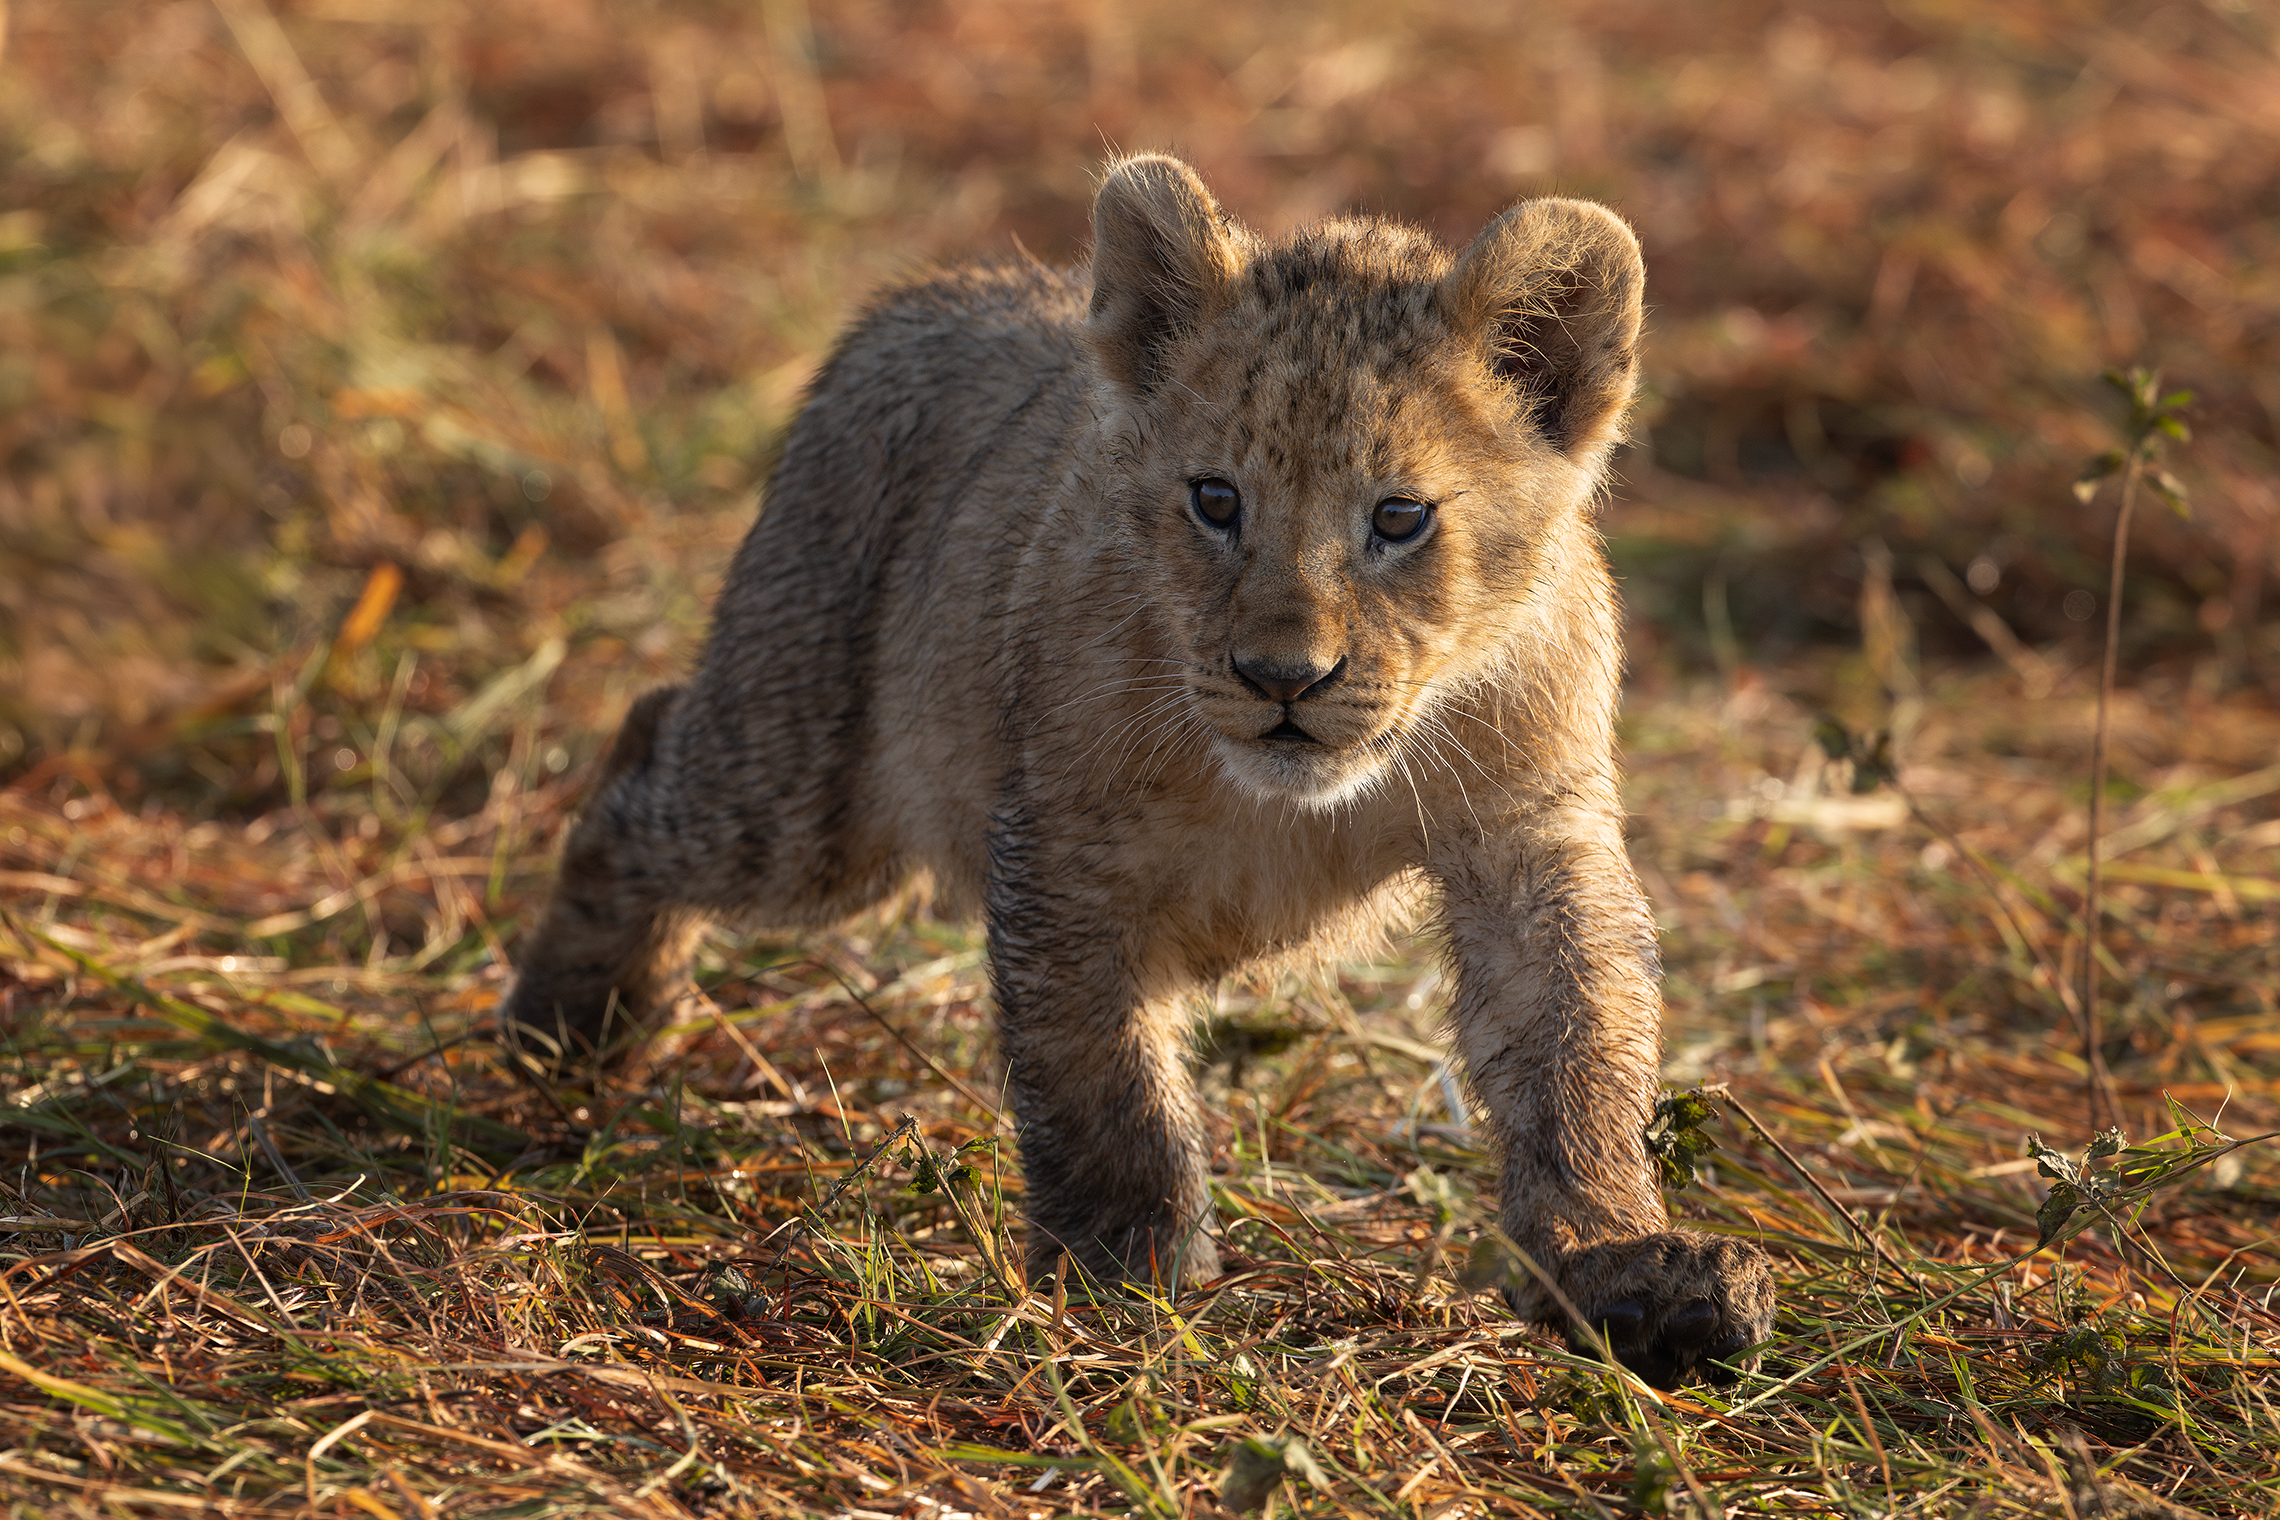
x: 1289, y: 732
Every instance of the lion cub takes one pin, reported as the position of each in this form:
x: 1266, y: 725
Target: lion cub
x: 1177, y: 614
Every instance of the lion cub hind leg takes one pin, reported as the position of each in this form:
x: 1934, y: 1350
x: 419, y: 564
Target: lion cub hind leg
x: 613, y: 950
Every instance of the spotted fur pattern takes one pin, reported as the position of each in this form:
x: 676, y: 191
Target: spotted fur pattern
x: 985, y: 636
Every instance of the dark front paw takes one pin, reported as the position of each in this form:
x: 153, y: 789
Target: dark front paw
x: 1160, y: 1251
x: 1670, y: 1304
x: 565, y: 1021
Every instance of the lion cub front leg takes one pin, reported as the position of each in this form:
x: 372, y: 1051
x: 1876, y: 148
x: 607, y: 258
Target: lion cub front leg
x: 1112, y: 1147
x: 1559, y: 1018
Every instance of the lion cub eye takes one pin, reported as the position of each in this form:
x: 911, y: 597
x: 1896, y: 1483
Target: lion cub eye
x: 1215, y: 501
x: 1398, y: 519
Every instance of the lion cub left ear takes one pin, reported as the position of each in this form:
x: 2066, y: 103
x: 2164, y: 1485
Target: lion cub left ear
x: 1553, y: 291
x: 1162, y: 253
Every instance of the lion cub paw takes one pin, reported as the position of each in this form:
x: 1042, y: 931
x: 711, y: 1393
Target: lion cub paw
x: 1672, y: 1303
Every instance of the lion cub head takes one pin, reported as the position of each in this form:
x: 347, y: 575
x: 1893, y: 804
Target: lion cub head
x: 1354, y: 469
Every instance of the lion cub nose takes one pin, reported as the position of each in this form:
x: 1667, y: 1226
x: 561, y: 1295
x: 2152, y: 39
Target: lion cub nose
x: 1281, y: 680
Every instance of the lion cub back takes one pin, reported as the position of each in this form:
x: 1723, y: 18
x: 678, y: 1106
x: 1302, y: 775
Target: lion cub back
x: 855, y: 635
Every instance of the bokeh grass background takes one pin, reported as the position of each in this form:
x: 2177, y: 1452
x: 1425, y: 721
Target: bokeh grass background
x: 383, y: 386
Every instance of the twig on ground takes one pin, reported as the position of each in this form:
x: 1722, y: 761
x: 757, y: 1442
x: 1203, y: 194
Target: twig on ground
x: 1725, y: 1095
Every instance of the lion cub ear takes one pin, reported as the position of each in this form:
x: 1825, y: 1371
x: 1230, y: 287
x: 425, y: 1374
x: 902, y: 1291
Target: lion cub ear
x: 1162, y: 251
x: 1553, y: 289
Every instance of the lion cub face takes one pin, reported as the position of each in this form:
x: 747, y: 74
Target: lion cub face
x: 1354, y: 465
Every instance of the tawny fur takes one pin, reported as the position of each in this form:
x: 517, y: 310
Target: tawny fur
x: 982, y: 632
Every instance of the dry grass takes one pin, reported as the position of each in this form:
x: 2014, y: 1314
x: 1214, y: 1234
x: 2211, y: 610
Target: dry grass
x: 382, y: 384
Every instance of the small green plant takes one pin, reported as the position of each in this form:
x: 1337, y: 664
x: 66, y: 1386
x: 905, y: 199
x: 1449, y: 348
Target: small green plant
x: 2083, y: 1192
x: 2153, y: 421
x: 2103, y: 1361
x: 1653, y: 1474
x: 930, y: 1175
x: 1675, y: 1137
x: 1259, y: 1466
x: 2152, y: 425
x: 1869, y: 755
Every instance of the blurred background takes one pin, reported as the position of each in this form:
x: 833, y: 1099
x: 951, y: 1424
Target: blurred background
x: 372, y: 366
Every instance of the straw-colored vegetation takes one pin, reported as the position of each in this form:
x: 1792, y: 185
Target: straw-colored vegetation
x: 383, y: 384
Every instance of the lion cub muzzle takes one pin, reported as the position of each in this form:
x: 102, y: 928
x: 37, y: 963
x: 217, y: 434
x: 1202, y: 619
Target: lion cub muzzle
x: 1291, y: 702
x: 1287, y: 682
x: 1292, y: 727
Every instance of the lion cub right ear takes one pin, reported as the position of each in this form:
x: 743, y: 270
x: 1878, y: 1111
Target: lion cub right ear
x: 1553, y: 291
x: 1162, y: 252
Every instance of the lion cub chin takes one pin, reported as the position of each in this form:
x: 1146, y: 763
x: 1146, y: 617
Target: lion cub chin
x: 1176, y: 613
